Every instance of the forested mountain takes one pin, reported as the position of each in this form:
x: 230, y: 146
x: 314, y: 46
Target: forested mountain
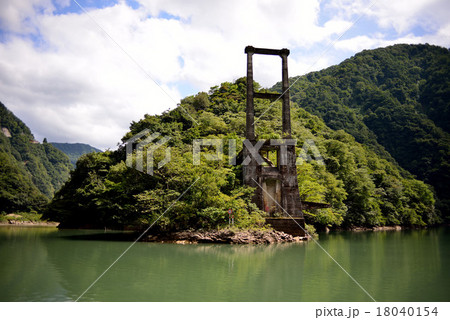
x: 363, y: 188
x: 74, y: 150
x: 30, y: 172
x: 394, y: 100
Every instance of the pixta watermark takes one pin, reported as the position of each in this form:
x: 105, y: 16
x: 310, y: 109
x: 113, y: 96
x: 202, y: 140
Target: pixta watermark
x: 142, y: 147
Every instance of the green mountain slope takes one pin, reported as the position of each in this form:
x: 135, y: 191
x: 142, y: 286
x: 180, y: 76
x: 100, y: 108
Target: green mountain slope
x: 74, y: 150
x: 30, y: 172
x: 393, y: 99
x: 363, y: 188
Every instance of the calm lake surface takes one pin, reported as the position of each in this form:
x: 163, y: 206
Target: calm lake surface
x: 45, y: 264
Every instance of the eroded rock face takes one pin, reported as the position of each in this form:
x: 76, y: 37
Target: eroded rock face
x: 227, y: 236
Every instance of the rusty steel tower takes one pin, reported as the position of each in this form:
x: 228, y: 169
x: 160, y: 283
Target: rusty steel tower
x: 276, y: 186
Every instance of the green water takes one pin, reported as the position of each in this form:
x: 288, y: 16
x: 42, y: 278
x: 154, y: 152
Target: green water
x: 44, y: 264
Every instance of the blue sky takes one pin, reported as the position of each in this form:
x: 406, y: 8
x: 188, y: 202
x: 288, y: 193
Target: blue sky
x: 81, y: 71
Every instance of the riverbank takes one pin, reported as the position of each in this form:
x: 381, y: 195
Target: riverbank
x: 379, y: 228
x: 225, y: 236
x: 228, y: 236
x: 29, y: 223
x: 25, y: 219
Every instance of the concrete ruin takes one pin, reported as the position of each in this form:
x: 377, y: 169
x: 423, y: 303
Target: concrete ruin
x: 276, y: 186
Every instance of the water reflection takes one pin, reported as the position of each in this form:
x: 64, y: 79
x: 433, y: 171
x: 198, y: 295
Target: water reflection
x: 45, y: 264
x: 24, y: 268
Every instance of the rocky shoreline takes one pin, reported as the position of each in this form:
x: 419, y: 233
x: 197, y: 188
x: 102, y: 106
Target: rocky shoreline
x: 29, y: 223
x: 226, y: 236
x: 380, y: 228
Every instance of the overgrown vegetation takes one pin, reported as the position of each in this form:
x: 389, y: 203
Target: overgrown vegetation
x: 30, y: 172
x: 362, y: 182
x: 375, y: 118
x: 396, y: 101
x: 74, y: 150
x: 31, y: 216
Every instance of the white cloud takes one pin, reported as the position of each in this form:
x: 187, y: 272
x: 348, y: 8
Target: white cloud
x: 403, y: 15
x: 75, y: 84
x: 441, y: 37
x: 78, y: 85
x: 360, y: 43
x: 402, y: 21
x: 19, y: 16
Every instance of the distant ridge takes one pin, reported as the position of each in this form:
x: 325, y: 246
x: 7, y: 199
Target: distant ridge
x: 74, y: 150
x: 30, y: 172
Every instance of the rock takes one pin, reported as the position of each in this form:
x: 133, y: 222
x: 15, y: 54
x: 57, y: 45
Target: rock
x: 385, y: 228
x: 226, y: 236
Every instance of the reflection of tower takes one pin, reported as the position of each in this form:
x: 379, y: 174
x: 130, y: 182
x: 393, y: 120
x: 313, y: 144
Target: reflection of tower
x: 276, y: 183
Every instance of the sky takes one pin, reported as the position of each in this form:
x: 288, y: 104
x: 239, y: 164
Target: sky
x: 83, y: 70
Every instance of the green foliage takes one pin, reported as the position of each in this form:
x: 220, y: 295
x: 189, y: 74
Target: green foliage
x: 394, y: 100
x: 31, y: 216
x: 17, y: 191
x: 363, y: 184
x: 311, y: 231
x: 29, y: 172
x: 74, y: 150
x: 103, y: 191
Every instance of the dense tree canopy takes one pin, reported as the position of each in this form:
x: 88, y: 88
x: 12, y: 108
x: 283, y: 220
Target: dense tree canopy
x: 74, y: 150
x: 363, y: 188
x: 396, y: 101
x: 30, y: 172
